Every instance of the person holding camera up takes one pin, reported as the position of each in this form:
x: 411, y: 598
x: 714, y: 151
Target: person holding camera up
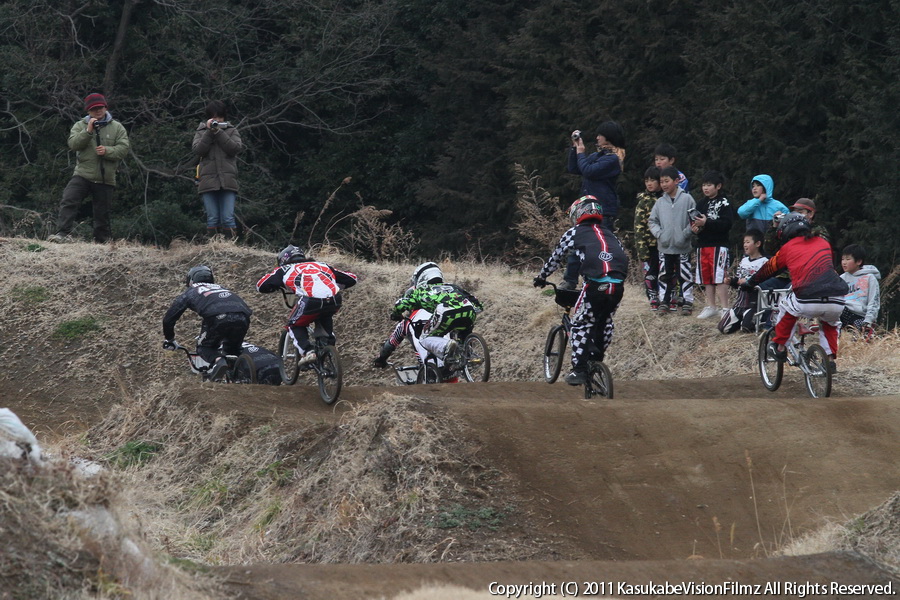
x: 599, y: 171
x: 101, y: 142
x: 216, y: 144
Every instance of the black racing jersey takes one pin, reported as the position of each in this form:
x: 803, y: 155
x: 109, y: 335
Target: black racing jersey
x: 205, y: 299
x: 597, y: 248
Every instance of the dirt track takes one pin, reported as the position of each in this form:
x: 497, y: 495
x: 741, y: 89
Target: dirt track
x: 638, y: 482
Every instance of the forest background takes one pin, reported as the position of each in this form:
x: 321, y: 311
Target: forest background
x: 440, y: 111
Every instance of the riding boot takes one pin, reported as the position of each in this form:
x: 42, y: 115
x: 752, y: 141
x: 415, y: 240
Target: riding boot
x: 231, y: 232
x: 386, y: 351
x: 211, y: 233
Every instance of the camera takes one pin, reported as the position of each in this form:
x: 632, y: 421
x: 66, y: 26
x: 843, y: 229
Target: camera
x: 217, y: 124
x: 576, y: 135
x: 694, y: 214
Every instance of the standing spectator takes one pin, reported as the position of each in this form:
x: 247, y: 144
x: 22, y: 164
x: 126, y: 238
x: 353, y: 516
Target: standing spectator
x: 864, y: 300
x: 670, y: 222
x: 644, y: 242
x: 599, y: 171
x: 761, y: 208
x: 664, y: 156
x: 216, y: 144
x: 101, y: 142
x: 712, y: 227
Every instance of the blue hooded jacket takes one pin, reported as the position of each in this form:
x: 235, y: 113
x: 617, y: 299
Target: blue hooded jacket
x: 759, y: 213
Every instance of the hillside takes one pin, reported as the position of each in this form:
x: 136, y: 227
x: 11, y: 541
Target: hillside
x: 518, y: 479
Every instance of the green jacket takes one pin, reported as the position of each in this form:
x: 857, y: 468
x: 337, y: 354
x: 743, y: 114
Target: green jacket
x: 88, y: 164
x: 217, y: 151
x: 428, y: 297
x: 643, y: 239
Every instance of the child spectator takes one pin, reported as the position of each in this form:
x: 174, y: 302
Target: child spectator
x: 864, y: 300
x: 664, y: 156
x: 644, y: 242
x: 670, y: 223
x: 712, y: 227
x: 740, y: 315
x: 761, y: 208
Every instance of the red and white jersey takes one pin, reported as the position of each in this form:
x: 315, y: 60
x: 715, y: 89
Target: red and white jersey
x: 312, y: 279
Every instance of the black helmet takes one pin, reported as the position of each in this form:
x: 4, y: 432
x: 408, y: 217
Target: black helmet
x: 291, y: 254
x: 199, y: 274
x: 791, y: 226
x: 588, y: 210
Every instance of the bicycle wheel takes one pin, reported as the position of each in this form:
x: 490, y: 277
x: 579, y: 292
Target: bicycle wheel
x: 818, y: 375
x: 476, y: 365
x: 600, y: 381
x: 770, y: 370
x: 554, y: 351
x: 330, y: 373
x: 289, y: 358
x: 244, y: 370
x: 429, y: 373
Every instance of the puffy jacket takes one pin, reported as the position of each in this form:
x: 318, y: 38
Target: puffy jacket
x: 599, y: 172
x: 759, y: 213
x: 218, y: 150
x: 111, y: 135
x: 812, y: 272
x: 644, y: 240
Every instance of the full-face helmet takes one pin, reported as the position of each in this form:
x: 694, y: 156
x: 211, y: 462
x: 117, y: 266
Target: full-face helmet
x: 290, y: 255
x: 589, y: 210
x: 199, y: 274
x: 791, y: 226
x: 425, y: 274
x: 573, y: 209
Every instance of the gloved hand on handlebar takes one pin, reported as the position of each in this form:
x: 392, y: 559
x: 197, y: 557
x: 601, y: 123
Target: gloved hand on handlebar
x: 395, y: 316
x: 539, y: 282
x: 747, y: 287
x: 169, y: 345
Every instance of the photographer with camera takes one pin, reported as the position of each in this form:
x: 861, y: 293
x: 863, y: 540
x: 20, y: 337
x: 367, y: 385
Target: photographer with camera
x: 599, y: 172
x: 101, y: 142
x: 216, y: 144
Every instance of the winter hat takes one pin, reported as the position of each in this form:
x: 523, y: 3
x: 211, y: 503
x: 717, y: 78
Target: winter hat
x: 93, y: 101
x: 613, y: 133
x: 806, y: 203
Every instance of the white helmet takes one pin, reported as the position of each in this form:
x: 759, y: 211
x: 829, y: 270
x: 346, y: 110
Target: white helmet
x: 426, y: 273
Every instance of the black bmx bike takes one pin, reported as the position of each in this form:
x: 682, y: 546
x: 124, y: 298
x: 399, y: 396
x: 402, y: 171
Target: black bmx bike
x: 237, y: 369
x: 600, y: 381
x: 471, y: 364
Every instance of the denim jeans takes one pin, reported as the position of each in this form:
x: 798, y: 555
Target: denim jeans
x: 219, y: 207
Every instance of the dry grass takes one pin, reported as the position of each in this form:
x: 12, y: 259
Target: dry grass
x: 51, y: 521
x: 370, y: 489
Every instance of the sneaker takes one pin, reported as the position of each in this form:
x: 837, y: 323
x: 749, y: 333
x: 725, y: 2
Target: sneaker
x: 216, y: 371
x: 60, y: 238
x: 774, y: 354
x: 709, y: 311
x: 687, y: 309
x: 450, y: 351
x: 308, y: 358
x: 654, y: 305
x: 577, y: 378
x: 673, y: 307
x: 566, y: 285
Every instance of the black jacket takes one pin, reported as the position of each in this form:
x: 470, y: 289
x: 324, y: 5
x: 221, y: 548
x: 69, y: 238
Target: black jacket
x: 597, y: 248
x: 205, y: 299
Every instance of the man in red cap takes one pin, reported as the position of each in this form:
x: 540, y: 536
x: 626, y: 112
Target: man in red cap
x: 100, y: 142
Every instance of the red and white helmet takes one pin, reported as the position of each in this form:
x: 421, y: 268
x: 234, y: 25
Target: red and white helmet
x: 589, y: 210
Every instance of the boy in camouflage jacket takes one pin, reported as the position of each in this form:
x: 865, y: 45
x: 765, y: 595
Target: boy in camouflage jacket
x: 644, y: 240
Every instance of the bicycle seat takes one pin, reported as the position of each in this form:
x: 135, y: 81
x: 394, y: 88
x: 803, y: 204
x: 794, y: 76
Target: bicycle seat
x: 803, y: 329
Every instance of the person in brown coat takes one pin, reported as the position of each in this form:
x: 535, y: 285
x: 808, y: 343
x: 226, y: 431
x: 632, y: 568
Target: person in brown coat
x: 216, y: 144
